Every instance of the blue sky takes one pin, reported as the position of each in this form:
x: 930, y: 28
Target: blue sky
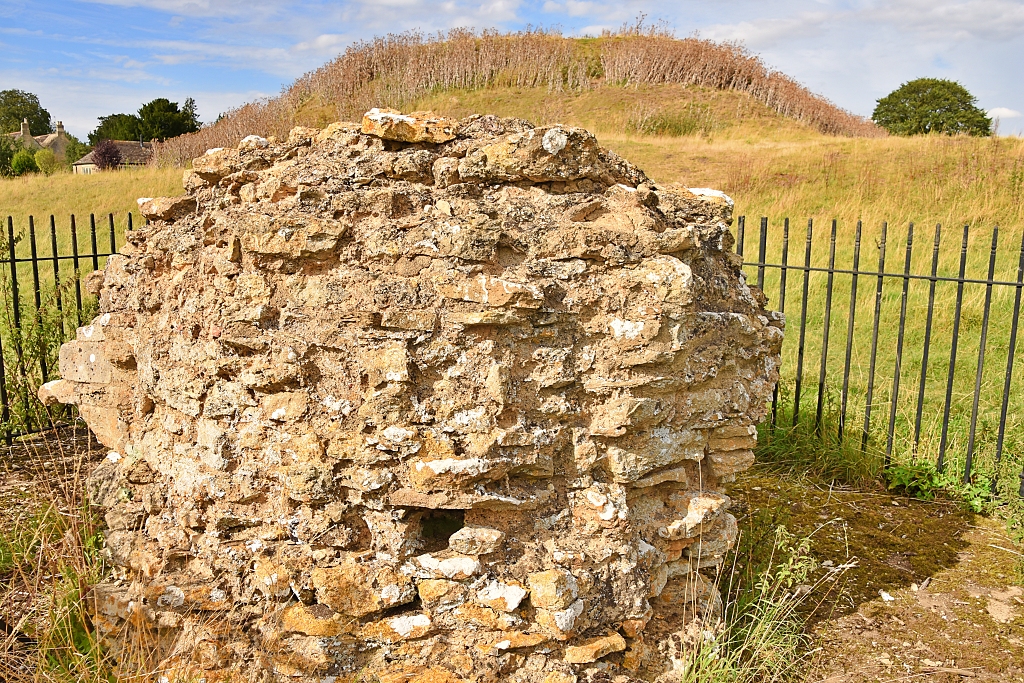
x: 87, y: 58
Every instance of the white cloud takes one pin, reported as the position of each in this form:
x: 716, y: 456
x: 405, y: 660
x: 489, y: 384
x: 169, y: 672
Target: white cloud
x: 975, y: 19
x: 326, y: 42
x: 768, y: 32
x: 1004, y: 113
x: 192, y: 8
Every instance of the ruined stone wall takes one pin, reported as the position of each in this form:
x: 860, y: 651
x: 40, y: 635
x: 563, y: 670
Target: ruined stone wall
x: 423, y: 400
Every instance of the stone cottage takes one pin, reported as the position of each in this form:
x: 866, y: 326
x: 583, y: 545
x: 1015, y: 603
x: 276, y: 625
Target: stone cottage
x: 132, y: 154
x: 56, y: 141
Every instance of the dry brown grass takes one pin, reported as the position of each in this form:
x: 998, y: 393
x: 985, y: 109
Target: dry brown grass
x: 49, y: 558
x: 394, y: 70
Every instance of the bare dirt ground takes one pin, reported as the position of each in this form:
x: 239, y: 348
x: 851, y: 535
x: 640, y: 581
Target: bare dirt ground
x: 931, y: 592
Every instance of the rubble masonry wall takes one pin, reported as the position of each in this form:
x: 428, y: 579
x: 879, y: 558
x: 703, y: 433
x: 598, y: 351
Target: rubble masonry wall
x: 422, y: 399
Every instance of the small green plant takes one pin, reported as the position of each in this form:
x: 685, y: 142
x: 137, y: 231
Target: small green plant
x: 922, y: 480
x: 918, y: 480
x: 976, y: 494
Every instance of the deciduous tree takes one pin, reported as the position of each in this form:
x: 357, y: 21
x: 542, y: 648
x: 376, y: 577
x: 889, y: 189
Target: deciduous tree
x: 7, y: 150
x: 23, y: 162
x: 17, y: 105
x: 46, y: 161
x: 159, y: 119
x: 931, y: 105
x: 106, y: 155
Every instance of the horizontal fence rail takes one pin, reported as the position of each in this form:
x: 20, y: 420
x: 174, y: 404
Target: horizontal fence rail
x: 43, y: 305
x: 929, y: 346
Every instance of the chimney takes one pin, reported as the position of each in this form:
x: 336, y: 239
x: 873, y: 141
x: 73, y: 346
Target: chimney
x: 60, y: 128
x: 24, y: 129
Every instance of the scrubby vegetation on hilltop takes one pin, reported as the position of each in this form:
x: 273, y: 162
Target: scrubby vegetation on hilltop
x: 398, y: 69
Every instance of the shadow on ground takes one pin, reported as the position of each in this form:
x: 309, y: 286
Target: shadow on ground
x: 931, y: 593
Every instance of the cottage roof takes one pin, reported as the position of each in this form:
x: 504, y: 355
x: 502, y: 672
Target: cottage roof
x: 132, y: 153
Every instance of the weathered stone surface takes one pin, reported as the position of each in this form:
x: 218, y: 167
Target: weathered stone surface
x: 419, y: 126
x: 595, y: 648
x: 441, y: 401
x: 167, y: 208
x: 475, y: 540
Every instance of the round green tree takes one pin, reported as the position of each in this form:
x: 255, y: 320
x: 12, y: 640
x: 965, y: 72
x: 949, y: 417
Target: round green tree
x: 931, y: 105
x: 23, y: 162
x: 46, y: 161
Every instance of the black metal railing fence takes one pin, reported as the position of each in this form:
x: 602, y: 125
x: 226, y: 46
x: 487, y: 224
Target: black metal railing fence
x: 43, y: 305
x: 961, y: 407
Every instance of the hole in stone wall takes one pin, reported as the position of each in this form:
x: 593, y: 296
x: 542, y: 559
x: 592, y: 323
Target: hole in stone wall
x: 436, y: 526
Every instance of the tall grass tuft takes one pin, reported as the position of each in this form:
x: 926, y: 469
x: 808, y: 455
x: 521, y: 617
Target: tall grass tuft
x: 812, y: 448
x: 768, y: 594
x: 696, y: 119
x: 49, y: 558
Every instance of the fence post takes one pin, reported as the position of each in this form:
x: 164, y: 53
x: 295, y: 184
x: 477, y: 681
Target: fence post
x: 113, y: 239
x: 56, y: 275
x: 803, y: 323
x: 78, y: 274
x: 762, y: 252
x: 898, y: 370
x: 782, y: 309
x: 874, y: 340
x: 827, y: 329
x: 849, y: 331
x: 92, y: 237
x: 37, y: 292
x: 927, y: 337
x: 19, y: 351
x: 944, y: 441
x: 1009, y: 365
x: 981, y: 355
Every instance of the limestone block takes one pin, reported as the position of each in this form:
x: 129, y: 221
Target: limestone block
x: 315, y: 620
x: 505, y: 597
x: 561, y: 624
x: 84, y: 362
x: 57, y: 391
x: 553, y: 589
x: 648, y: 451
x: 216, y: 163
x: 286, y: 406
x: 357, y: 589
x: 415, y: 127
x: 595, y: 648
x: 167, y: 208
x: 475, y: 540
x: 398, y: 628
x: 728, y: 463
